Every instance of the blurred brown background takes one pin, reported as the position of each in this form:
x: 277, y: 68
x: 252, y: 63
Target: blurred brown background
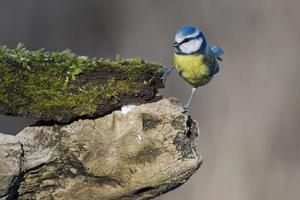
x: 249, y: 115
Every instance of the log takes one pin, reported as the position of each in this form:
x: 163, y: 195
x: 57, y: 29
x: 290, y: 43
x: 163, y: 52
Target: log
x: 138, y: 152
x: 103, y: 131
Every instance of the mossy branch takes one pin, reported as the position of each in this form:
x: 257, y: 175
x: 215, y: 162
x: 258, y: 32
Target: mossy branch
x: 61, y: 86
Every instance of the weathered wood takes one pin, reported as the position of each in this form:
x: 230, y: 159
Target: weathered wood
x: 62, y: 87
x: 139, y: 152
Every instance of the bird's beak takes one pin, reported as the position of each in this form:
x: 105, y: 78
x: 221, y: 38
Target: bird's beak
x: 175, y: 44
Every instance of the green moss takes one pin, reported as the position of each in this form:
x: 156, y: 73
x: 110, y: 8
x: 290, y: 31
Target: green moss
x: 45, y: 84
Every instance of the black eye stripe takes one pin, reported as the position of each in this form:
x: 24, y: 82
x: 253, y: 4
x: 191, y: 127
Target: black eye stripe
x: 188, y: 39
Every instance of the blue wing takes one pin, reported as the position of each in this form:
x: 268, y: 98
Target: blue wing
x: 217, y: 51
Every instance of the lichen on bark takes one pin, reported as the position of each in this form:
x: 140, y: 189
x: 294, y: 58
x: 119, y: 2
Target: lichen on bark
x: 62, y: 87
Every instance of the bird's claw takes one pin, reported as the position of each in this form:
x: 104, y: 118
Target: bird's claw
x: 185, y: 109
x: 167, y: 71
x: 163, y: 78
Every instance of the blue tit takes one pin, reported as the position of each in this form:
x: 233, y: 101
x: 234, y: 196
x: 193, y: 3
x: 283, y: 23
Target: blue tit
x: 194, y: 60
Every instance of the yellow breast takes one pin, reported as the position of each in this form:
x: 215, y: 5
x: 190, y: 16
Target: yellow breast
x: 192, y: 69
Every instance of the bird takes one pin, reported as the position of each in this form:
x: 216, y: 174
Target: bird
x: 195, y: 61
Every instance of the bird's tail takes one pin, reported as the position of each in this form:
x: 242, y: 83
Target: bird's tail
x: 217, y: 51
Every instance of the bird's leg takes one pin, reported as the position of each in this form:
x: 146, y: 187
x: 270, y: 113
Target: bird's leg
x: 190, y: 99
x: 167, y: 71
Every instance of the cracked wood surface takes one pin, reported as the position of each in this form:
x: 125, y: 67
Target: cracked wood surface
x: 138, y: 152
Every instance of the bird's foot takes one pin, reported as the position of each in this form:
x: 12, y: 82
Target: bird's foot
x: 167, y: 71
x: 163, y: 78
x: 185, y: 109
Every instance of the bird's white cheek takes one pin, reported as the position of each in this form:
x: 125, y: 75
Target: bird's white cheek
x: 191, y: 46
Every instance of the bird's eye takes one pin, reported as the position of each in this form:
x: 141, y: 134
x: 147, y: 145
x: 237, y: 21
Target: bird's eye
x: 186, y: 40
